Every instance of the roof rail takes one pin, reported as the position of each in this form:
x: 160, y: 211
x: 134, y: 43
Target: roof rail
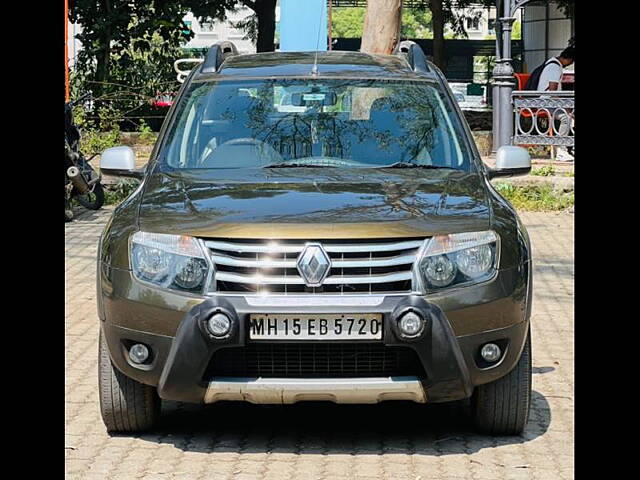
x: 216, y: 55
x: 414, y: 55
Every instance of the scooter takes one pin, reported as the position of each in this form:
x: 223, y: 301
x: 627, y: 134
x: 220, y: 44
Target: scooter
x: 82, y: 182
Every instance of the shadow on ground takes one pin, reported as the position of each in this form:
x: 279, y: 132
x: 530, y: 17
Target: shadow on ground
x: 305, y: 428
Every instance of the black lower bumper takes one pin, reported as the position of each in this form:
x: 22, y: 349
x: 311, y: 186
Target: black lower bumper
x: 452, y: 365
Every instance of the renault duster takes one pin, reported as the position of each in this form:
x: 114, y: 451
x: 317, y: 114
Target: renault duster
x: 315, y: 226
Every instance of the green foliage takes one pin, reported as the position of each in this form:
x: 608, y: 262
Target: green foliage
x: 416, y: 24
x: 546, y: 171
x: 538, y: 198
x: 348, y: 22
x: 516, y: 32
x: 115, y: 194
x: 249, y: 25
x: 136, y: 76
x: 128, y: 51
x: 92, y: 140
x: 147, y: 136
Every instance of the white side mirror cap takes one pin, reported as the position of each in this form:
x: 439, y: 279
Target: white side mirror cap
x: 121, y: 158
x: 510, y: 157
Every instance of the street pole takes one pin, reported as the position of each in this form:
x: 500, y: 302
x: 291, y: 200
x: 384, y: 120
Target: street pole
x: 66, y: 50
x: 330, y: 39
x: 495, y: 96
x: 503, y: 80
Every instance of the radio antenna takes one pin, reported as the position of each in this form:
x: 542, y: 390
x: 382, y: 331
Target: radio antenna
x: 314, y: 69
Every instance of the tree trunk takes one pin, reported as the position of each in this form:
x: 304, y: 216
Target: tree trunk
x: 381, y: 31
x: 437, y: 22
x: 266, y: 14
x: 103, y: 55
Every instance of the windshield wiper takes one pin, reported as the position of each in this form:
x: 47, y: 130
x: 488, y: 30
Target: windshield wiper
x: 415, y: 165
x: 294, y: 164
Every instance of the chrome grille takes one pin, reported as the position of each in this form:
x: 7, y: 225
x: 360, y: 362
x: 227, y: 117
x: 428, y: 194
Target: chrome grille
x: 267, y: 266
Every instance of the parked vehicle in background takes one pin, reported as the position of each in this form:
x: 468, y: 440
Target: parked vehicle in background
x: 315, y: 226
x: 467, y: 101
x: 82, y: 182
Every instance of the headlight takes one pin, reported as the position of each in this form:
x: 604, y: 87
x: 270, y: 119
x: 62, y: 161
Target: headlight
x: 176, y: 262
x: 457, y: 259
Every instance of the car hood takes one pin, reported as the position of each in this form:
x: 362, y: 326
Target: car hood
x: 314, y: 203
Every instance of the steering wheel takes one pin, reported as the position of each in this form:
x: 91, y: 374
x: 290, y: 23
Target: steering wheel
x: 245, y: 142
x: 268, y: 150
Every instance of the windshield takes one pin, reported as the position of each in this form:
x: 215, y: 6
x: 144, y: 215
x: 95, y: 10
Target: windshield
x: 315, y: 122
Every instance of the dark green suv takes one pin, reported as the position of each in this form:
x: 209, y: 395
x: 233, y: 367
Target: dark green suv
x: 315, y: 226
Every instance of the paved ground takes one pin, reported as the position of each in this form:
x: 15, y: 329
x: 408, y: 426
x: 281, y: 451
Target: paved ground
x: 392, y: 440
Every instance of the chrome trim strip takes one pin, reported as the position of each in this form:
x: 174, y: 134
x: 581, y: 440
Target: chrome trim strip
x: 274, y: 247
x: 315, y: 300
x: 383, y: 278
x: 332, y: 280
x: 292, y: 390
x: 247, y: 262
x: 373, y: 247
x: 335, y: 263
x: 271, y: 247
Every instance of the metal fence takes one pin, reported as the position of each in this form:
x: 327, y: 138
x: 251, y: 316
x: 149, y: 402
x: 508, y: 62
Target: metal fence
x: 543, y: 118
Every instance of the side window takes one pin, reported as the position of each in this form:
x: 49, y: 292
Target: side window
x: 186, y: 129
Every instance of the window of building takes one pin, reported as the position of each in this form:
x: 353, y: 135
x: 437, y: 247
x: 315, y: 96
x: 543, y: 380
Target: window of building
x: 473, y: 23
x: 207, y: 26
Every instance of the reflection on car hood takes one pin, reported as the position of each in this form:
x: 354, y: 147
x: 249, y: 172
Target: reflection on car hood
x: 314, y: 203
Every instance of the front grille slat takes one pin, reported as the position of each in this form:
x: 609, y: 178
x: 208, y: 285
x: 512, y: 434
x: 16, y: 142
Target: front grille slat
x: 315, y: 360
x: 330, y: 280
x: 285, y: 263
x: 270, y: 246
x: 270, y: 267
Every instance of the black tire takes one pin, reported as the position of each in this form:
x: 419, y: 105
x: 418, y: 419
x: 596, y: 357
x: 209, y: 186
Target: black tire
x: 94, y: 199
x: 125, y: 404
x: 68, y: 212
x: 502, y: 406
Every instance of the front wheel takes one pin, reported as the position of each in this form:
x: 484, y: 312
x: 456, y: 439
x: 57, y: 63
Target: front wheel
x: 125, y: 404
x: 94, y: 199
x: 502, y: 407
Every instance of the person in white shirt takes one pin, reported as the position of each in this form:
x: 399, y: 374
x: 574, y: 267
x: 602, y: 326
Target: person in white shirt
x: 551, y: 77
x: 551, y: 80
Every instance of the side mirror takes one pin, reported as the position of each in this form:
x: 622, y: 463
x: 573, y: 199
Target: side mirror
x: 510, y: 162
x: 120, y: 162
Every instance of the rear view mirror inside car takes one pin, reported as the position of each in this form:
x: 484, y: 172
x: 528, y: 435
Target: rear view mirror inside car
x: 305, y: 99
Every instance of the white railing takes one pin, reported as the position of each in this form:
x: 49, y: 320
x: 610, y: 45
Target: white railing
x: 543, y: 118
x: 182, y: 74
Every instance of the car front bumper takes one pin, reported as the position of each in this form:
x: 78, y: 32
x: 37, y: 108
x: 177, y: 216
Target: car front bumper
x: 458, y: 324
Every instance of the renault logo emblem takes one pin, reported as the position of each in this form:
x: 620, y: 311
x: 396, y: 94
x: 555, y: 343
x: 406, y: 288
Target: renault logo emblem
x: 313, y: 264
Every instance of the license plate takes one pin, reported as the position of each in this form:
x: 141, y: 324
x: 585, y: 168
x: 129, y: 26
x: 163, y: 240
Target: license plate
x: 364, y: 326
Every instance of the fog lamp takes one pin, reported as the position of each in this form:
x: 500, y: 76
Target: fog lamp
x: 139, y: 353
x: 219, y: 325
x: 411, y: 324
x: 490, y: 352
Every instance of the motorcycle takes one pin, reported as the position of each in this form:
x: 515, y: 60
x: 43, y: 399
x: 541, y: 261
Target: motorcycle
x: 82, y: 182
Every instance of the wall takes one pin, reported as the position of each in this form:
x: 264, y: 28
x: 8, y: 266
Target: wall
x: 545, y: 33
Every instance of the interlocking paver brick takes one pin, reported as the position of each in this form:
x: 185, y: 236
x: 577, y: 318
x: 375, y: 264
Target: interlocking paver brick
x: 325, y: 441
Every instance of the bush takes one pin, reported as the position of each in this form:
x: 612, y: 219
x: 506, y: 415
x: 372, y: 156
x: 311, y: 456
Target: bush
x: 147, y: 136
x: 546, y: 171
x: 537, y: 198
x: 114, y: 194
